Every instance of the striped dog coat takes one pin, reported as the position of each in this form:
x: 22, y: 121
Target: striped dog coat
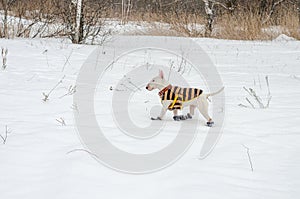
x: 178, y: 95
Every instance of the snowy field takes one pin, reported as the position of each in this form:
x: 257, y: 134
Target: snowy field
x: 38, y: 158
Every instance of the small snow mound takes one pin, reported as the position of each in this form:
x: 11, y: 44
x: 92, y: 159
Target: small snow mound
x: 284, y: 37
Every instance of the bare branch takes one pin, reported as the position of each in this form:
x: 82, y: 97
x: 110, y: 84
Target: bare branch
x: 46, y: 96
x: 61, y: 121
x: 220, y: 4
x: 249, y: 157
x: 4, y: 57
x: 274, y: 5
x: 244, y: 106
x: 67, y: 60
x: 4, y: 138
x: 71, y: 91
x: 259, y: 101
x: 250, y: 103
x: 257, y: 98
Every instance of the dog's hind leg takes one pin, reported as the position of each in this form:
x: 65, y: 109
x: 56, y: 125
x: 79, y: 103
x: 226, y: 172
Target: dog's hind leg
x: 192, y: 112
x: 202, y: 106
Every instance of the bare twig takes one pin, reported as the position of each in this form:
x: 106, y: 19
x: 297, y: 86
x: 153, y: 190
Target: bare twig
x: 247, y: 90
x: 244, y: 106
x: 221, y: 4
x: 71, y: 91
x: 249, y: 157
x: 67, y: 60
x: 46, y: 53
x: 4, y: 138
x: 274, y: 5
x: 269, y: 92
x: 61, y: 121
x: 257, y: 98
x: 250, y: 102
x: 268, y: 85
x: 46, y: 96
x: 4, y: 57
x: 259, y: 101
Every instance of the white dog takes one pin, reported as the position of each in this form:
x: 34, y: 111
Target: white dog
x: 174, y: 98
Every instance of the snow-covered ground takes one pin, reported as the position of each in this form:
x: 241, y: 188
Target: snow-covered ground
x: 36, y: 162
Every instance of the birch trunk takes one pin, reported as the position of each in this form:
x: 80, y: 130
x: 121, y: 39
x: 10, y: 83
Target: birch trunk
x: 5, y: 21
x: 78, y: 21
x: 210, y: 18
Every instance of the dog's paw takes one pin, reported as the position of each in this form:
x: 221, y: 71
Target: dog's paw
x: 189, y: 116
x: 180, y: 117
x: 176, y: 118
x: 158, y: 118
x: 210, y: 124
x: 183, y: 117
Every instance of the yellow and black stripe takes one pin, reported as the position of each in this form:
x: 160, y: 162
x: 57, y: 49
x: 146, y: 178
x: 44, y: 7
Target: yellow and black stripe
x: 179, y: 95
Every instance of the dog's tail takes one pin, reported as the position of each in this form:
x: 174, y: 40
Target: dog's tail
x: 215, y: 93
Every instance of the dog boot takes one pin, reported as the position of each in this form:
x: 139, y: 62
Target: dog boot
x: 158, y: 118
x: 176, y: 118
x: 189, y: 116
x: 182, y: 117
x: 210, y: 123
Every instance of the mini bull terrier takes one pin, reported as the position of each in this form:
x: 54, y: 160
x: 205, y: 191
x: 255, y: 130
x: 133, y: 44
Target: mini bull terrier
x: 175, y: 98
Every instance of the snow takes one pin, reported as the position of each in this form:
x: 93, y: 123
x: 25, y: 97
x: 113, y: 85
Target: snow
x: 283, y: 37
x: 35, y: 161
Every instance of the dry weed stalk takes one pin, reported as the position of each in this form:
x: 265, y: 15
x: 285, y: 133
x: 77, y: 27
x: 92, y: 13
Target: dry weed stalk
x: 61, y: 121
x: 249, y: 157
x: 46, y: 96
x: 4, y: 138
x: 256, y: 98
x: 4, y: 57
x: 71, y: 91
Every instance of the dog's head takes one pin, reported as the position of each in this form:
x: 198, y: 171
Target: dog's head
x: 157, y: 82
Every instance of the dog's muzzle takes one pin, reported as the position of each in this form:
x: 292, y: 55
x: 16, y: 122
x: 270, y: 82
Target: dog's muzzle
x: 148, y: 87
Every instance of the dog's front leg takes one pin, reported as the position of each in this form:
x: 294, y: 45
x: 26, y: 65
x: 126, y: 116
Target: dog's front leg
x: 163, y: 111
x: 162, y: 114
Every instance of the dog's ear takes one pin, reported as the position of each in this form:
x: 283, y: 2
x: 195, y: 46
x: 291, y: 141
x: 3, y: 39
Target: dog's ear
x: 161, y: 74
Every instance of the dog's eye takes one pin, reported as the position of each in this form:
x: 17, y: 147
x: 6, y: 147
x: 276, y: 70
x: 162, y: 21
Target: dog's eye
x: 153, y: 80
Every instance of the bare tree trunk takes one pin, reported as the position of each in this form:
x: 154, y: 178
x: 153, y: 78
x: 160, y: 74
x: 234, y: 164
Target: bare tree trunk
x: 210, y: 18
x: 299, y: 10
x: 122, y: 17
x: 78, y: 21
x: 5, y: 25
x: 128, y: 10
